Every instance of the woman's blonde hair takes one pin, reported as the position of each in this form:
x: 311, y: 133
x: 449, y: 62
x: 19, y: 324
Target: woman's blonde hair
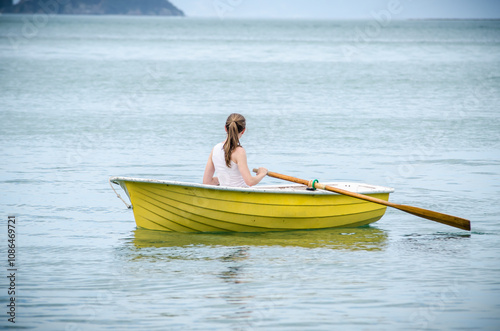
x: 235, y: 124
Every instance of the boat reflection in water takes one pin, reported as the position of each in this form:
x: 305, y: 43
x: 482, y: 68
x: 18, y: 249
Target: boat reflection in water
x: 360, y: 238
x: 246, y: 276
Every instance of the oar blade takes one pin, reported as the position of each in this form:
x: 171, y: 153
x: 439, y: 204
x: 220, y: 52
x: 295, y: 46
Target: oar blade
x: 450, y: 220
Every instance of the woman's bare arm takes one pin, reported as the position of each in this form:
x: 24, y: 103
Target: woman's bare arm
x: 208, y: 176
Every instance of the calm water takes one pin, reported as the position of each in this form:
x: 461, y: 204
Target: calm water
x: 414, y: 106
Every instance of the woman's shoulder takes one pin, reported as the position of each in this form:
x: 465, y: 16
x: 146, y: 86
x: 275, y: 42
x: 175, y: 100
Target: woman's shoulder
x: 218, y: 147
x: 238, y: 153
x: 239, y: 150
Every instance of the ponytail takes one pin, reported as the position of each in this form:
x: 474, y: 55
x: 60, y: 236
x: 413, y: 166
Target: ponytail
x: 235, y: 124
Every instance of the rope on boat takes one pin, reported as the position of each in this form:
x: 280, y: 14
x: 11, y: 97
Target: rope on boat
x: 310, y: 185
x: 314, y: 182
x: 126, y: 204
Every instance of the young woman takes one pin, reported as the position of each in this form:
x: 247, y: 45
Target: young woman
x: 229, y: 159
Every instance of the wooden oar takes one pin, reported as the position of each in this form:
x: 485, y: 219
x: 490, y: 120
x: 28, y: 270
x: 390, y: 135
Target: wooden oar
x: 457, y: 222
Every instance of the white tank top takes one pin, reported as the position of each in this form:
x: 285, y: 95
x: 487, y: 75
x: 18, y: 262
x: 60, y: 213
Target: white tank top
x: 227, y: 176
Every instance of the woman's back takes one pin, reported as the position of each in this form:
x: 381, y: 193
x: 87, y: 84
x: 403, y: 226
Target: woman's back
x: 227, y: 176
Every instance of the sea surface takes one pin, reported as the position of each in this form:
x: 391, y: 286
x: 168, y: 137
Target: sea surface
x: 413, y: 105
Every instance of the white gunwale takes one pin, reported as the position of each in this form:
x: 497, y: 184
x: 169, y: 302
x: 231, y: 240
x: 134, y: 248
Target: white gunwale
x: 282, y: 189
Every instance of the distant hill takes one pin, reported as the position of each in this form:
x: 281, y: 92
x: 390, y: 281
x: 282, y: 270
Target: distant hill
x: 92, y: 7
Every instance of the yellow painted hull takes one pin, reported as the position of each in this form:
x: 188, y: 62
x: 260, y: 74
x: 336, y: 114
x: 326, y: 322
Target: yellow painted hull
x: 183, y: 207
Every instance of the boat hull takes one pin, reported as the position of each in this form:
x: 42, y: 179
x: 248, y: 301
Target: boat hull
x: 173, y: 206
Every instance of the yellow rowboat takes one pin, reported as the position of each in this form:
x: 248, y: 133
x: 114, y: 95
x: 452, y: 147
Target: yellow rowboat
x: 186, y: 207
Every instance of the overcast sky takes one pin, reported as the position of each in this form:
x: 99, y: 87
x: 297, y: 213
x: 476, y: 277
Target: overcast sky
x: 339, y: 9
